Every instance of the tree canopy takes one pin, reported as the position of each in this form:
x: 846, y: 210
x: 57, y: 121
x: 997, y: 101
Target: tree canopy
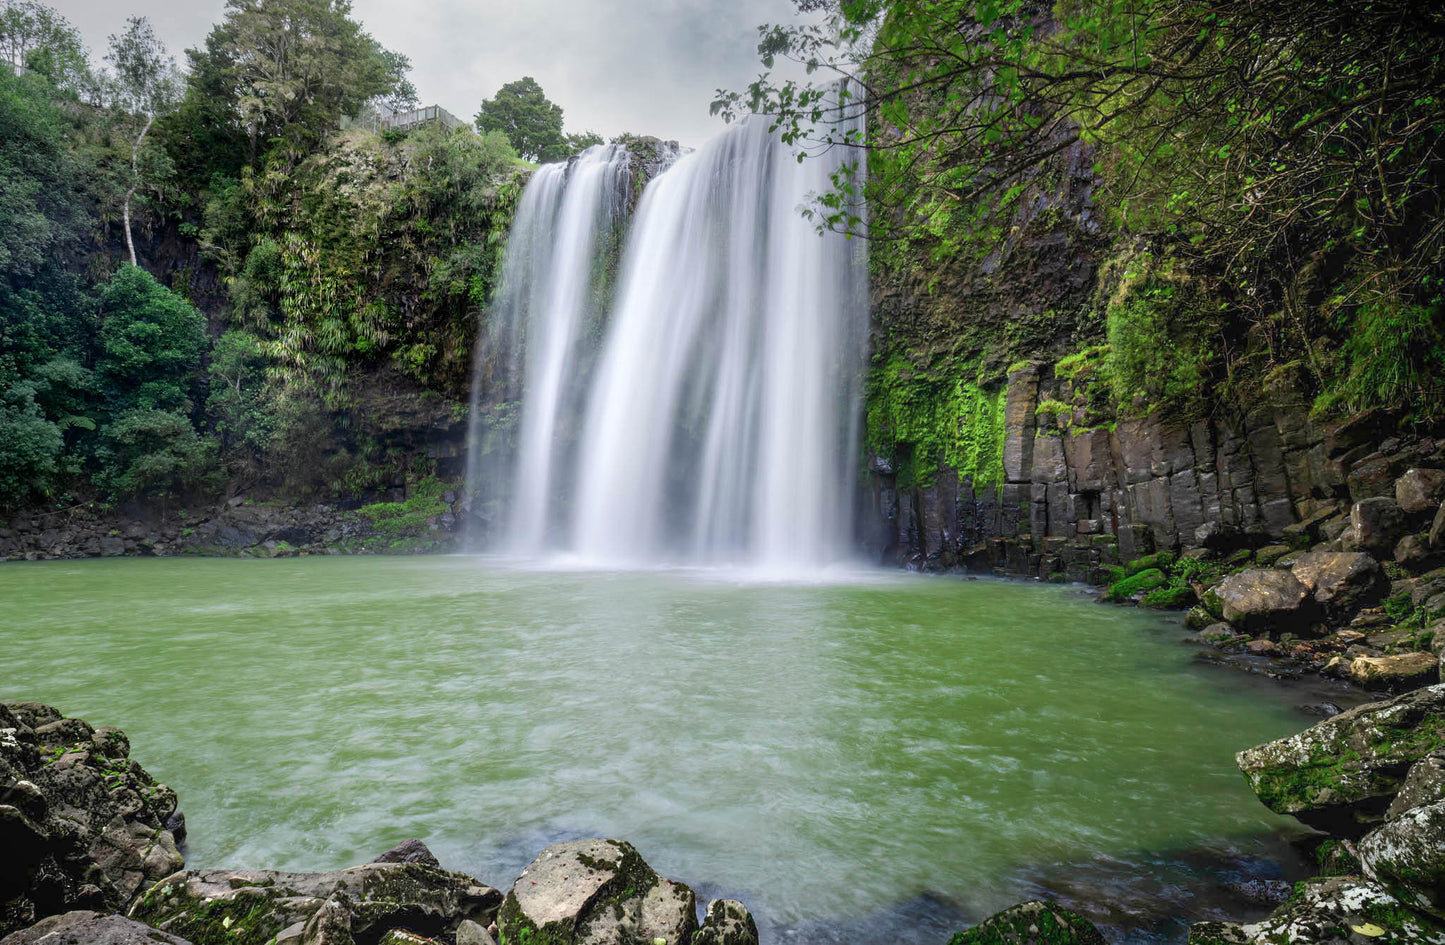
x: 531, y: 122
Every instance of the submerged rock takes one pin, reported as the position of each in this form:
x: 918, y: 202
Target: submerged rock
x: 728, y: 922
x: 250, y: 907
x: 81, y: 825
x: 90, y: 928
x: 1031, y: 923
x: 596, y: 892
x: 1342, y: 774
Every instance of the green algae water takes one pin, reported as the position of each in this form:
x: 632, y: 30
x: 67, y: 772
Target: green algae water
x: 858, y: 761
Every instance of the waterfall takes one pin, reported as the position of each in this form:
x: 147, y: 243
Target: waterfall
x: 719, y: 422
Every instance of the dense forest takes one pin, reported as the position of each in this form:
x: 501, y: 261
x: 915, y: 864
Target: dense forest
x: 1178, y: 209
x: 234, y: 273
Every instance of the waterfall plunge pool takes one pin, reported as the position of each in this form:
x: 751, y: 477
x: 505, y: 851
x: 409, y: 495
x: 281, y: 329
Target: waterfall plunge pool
x: 883, y: 758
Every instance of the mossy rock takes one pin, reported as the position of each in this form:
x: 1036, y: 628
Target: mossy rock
x: 1341, y: 775
x: 1344, y: 909
x: 1139, y: 583
x: 1170, y: 598
x: 1162, y: 560
x: 1031, y: 923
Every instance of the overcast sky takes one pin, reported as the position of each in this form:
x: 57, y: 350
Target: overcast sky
x: 642, y: 66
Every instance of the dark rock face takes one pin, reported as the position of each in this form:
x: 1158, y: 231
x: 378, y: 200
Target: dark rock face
x: 728, y: 922
x: 1031, y: 923
x: 1377, y: 525
x: 596, y: 892
x: 1342, y: 774
x: 81, y: 825
x: 251, y: 907
x: 90, y: 928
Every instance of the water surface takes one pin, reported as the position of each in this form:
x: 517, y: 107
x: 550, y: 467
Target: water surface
x: 877, y: 755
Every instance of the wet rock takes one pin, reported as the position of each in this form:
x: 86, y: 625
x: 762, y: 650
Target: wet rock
x: 90, y: 928
x: 591, y: 892
x: 1198, y: 618
x: 470, y: 933
x: 1263, y: 647
x: 1420, y: 490
x: 249, y: 907
x: 1395, y: 673
x: 1424, y: 785
x: 1377, y: 524
x: 1341, y: 909
x: 1341, y: 775
x: 1407, y: 855
x: 409, y: 851
x: 1342, y: 582
x: 82, y: 826
x: 1437, y: 530
x: 1031, y: 923
x: 728, y: 922
x: 1261, y: 600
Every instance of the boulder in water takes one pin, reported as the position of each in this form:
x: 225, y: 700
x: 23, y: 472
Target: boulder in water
x: 409, y: 851
x: 596, y: 892
x: 1031, y: 923
x: 1395, y: 673
x: 250, y: 907
x: 1342, y: 774
x: 82, y: 826
x: 728, y: 922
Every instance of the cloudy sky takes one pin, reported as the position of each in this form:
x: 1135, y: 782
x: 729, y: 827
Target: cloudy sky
x: 642, y: 66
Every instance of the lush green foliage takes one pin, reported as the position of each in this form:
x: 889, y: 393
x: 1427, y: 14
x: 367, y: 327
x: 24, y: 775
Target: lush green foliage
x: 1287, y: 157
x: 920, y: 418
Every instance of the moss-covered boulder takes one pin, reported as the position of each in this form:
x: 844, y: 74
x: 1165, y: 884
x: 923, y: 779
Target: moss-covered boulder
x: 1407, y: 855
x: 1342, y: 774
x: 1424, y: 785
x: 595, y: 892
x: 84, y: 927
x: 728, y: 922
x: 1169, y: 598
x: 1135, y: 585
x: 1342, y: 909
x: 1262, y: 601
x: 1159, y: 561
x: 1031, y: 923
x: 251, y: 907
x: 82, y: 826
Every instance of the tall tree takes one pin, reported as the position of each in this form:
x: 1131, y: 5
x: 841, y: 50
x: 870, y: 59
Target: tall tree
x: 147, y: 85
x: 298, y: 66
x: 532, y: 122
x: 35, y: 37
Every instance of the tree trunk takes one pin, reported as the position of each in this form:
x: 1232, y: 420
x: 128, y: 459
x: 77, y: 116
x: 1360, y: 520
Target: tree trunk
x: 134, y: 184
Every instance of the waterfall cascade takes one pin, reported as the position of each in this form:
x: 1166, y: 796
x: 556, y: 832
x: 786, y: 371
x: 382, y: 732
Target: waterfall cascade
x: 708, y: 411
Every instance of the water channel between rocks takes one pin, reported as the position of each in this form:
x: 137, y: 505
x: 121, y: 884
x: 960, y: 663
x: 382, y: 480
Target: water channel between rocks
x: 876, y: 758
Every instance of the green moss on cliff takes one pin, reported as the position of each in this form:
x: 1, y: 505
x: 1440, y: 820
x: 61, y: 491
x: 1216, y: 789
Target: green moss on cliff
x: 924, y: 418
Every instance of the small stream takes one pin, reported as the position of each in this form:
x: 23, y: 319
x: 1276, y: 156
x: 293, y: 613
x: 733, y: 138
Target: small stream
x: 875, y: 758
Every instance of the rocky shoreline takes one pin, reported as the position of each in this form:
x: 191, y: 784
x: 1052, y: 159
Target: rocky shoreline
x: 94, y: 856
